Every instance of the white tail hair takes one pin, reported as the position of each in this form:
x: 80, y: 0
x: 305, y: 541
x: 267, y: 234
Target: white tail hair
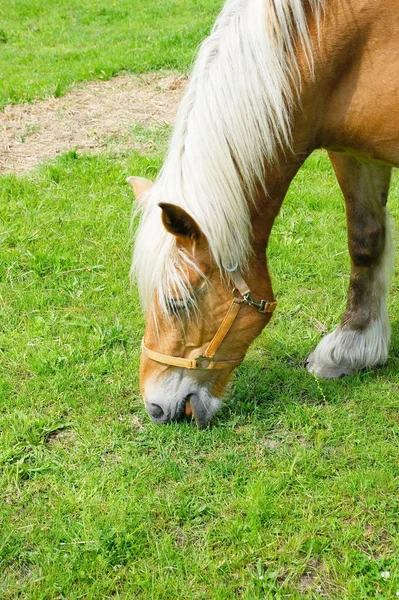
x: 235, y: 114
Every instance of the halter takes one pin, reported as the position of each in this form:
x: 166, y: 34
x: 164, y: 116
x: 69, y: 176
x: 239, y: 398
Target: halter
x: 206, y: 360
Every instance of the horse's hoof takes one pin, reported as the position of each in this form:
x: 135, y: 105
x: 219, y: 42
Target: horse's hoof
x: 326, y: 371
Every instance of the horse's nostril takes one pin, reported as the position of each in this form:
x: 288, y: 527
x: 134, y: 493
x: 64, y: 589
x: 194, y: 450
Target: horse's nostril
x: 155, y: 410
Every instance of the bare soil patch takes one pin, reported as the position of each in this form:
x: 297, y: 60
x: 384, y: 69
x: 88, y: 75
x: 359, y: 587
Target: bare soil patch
x: 94, y: 116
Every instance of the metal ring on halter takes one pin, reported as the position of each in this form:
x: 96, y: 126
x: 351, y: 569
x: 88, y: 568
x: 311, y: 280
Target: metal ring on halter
x: 232, y: 269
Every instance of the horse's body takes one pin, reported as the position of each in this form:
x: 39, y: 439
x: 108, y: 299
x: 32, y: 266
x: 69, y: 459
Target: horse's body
x: 325, y: 75
x: 360, y: 79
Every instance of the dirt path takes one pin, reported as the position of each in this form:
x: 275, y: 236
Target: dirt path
x: 90, y: 117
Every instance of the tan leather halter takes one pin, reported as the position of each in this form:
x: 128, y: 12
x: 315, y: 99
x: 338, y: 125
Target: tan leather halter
x: 206, y: 360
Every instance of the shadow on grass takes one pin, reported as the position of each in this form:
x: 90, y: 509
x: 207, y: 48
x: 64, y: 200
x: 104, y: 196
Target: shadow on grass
x: 266, y: 389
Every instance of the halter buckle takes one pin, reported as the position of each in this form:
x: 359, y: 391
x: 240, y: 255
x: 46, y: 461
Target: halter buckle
x: 264, y: 306
x: 202, y: 362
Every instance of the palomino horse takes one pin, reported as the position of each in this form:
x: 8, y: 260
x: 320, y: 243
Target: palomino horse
x: 275, y: 80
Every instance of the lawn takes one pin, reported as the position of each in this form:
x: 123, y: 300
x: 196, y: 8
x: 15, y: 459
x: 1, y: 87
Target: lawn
x: 292, y: 493
x: 45, y: 45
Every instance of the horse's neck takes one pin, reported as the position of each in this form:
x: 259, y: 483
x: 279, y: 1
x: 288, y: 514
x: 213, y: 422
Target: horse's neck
x: 266, y: 206
x: 331, y: 55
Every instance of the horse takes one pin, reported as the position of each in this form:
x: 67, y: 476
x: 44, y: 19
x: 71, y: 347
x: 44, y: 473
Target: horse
x: 274, y: 81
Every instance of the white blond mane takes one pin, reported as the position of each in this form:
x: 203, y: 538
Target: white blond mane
x: 235, y: 115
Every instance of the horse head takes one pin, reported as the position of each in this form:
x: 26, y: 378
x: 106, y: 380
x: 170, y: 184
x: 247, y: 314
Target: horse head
x: 200, y: 325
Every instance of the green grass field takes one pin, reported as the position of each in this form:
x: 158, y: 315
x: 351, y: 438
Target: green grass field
x: 293, y: 493
x: 45, y: 45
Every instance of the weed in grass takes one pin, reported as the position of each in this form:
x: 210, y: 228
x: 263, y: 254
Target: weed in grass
x: 58, y: 90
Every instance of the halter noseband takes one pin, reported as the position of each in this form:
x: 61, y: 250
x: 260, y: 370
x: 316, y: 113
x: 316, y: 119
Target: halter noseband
x: 206, y: 360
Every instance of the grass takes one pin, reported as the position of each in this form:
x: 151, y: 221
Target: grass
x: 292, y: 494
x: 45, y: 46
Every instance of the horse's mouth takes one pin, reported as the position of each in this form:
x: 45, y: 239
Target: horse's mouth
x: 188, y: 410
x: 202, y: 407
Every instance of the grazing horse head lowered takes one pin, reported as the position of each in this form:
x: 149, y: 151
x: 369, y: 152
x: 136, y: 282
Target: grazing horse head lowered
x: 275, y: 80
x: 199, y: 332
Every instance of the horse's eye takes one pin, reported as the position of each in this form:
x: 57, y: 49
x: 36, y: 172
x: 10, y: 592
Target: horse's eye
x: 176, y: 306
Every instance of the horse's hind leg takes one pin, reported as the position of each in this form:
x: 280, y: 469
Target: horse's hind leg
x: 362, y: 338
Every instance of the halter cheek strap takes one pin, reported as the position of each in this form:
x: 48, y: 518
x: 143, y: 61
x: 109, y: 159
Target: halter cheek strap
x: 206, y: 360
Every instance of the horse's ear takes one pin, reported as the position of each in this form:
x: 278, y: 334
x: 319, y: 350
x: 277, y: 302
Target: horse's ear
x: 180, y: 223
x: 140, y: 185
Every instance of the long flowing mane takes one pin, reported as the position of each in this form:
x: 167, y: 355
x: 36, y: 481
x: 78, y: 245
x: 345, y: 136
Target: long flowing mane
x: 234, y: 116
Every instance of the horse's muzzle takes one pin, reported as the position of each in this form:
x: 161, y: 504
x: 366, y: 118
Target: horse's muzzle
x: 201, y: 406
